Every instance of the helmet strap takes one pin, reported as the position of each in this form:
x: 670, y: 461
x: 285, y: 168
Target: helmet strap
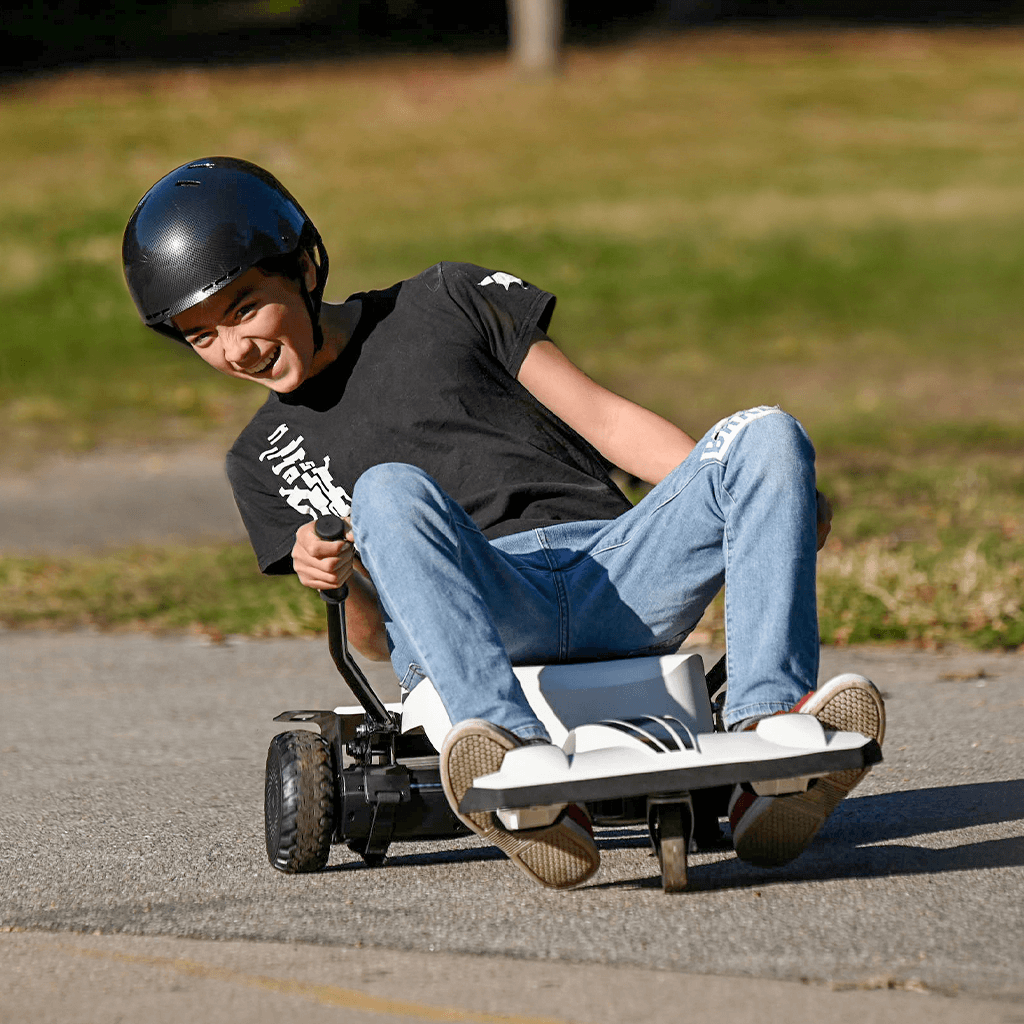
x: 313, y: 309
x: 314, y: 299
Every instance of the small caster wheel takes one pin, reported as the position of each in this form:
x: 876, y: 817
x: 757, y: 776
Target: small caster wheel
x: 671, y: 826
x: 298, y: 802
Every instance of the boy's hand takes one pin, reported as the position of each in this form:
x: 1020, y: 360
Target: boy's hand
x: 824, y: 519
x: 322, y: 564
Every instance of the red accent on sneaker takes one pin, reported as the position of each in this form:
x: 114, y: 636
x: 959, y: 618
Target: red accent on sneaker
x: 795, y: 709
x: 580, y: 816
x: 740, y: 807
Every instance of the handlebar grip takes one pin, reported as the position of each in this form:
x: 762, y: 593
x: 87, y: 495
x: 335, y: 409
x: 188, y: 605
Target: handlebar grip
x: 332, y: 528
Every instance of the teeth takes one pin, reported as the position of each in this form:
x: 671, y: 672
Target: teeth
x: 263, y: 363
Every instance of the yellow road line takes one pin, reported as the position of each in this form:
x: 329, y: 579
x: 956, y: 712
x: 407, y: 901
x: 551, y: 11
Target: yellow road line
x: 325, y: 995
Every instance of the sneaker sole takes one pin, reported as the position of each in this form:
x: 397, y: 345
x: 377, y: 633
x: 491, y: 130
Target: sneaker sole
x: 776, y: 830
x: 559, y: 856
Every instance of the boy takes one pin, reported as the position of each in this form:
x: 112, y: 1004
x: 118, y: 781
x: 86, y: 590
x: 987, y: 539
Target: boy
x: 470, y: 456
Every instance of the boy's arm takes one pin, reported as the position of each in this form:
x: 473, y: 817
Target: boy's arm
x: 324, y: 565
x: 631, y: 437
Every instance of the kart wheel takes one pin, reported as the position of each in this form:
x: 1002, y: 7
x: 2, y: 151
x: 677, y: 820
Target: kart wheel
x: 298, y: 802
x: 672, y: 857
x: 671, y: 828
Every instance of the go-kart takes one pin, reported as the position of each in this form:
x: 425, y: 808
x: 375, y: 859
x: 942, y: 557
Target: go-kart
x: 637, y: 741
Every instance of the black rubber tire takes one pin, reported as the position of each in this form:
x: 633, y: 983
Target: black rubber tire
x: 298, y: 805
x: 672, y: 856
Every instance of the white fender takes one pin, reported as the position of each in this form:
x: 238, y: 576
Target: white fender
x: 422, y: 709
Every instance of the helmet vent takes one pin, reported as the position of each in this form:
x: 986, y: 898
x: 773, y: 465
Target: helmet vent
x: 180, y: 183
x: 231, y: 273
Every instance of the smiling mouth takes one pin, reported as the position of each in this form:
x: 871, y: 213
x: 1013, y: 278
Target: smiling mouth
x: 267, y: 361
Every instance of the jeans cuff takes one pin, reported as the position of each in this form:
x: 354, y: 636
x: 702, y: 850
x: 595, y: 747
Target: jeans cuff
x: 734, y: 715
x: 531, y: 732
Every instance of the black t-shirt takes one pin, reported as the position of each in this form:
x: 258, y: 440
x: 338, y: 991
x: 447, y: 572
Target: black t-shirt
x: 429, y: 379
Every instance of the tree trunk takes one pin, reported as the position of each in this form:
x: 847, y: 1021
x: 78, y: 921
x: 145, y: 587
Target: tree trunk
x: 535, y: 36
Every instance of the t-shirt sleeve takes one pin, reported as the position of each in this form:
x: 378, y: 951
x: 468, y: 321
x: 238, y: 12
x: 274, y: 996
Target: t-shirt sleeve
x: 505, y: 309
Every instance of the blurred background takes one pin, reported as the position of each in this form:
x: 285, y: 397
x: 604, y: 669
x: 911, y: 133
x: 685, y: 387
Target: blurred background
x: 40, y: 34
x: 736, y: 202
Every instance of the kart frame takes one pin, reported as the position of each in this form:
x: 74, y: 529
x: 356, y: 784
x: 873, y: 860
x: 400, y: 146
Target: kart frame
x: 364, y: 782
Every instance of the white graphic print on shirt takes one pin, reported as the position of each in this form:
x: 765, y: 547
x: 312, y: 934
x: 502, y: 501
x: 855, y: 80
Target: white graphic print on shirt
x: 314, y: 492
x: 503, y: 279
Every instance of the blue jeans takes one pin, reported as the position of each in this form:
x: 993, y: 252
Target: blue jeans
x: 462, y: 609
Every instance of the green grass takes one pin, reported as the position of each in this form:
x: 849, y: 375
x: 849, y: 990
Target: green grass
x: 832, y: 222
x: 922, y: 551
x: 812, y: 219
x: 214, y: 590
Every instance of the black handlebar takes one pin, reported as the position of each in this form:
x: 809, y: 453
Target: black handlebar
x: 335, y: 528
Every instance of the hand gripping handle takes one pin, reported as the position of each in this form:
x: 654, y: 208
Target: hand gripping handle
x: 332, y: 528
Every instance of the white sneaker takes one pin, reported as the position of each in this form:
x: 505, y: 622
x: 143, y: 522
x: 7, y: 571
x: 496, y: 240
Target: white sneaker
x: 773, y: 830
x: 558, y: 856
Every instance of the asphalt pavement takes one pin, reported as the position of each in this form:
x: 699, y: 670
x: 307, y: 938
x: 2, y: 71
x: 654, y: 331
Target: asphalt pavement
x: 134, y: 882
x: 111, y: 498
x: 131, y: 807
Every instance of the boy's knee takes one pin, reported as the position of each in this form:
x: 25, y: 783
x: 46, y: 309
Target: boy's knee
x: 768, y: 443
x: 787, y: 435
x: 779, y: 438
x: 390, y: 488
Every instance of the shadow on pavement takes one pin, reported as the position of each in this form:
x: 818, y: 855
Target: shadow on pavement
x: 915, y: 812
x: 853, y: 844
x: 857, y: 841
x: 456, y: 855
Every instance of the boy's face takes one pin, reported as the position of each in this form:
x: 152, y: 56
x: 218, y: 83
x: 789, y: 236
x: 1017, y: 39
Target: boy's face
x: 257, y: 328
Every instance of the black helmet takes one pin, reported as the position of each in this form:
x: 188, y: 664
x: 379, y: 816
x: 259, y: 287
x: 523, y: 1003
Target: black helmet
x: 204, y: 225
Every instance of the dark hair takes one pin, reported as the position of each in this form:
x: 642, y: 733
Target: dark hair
x: 289, y: 265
